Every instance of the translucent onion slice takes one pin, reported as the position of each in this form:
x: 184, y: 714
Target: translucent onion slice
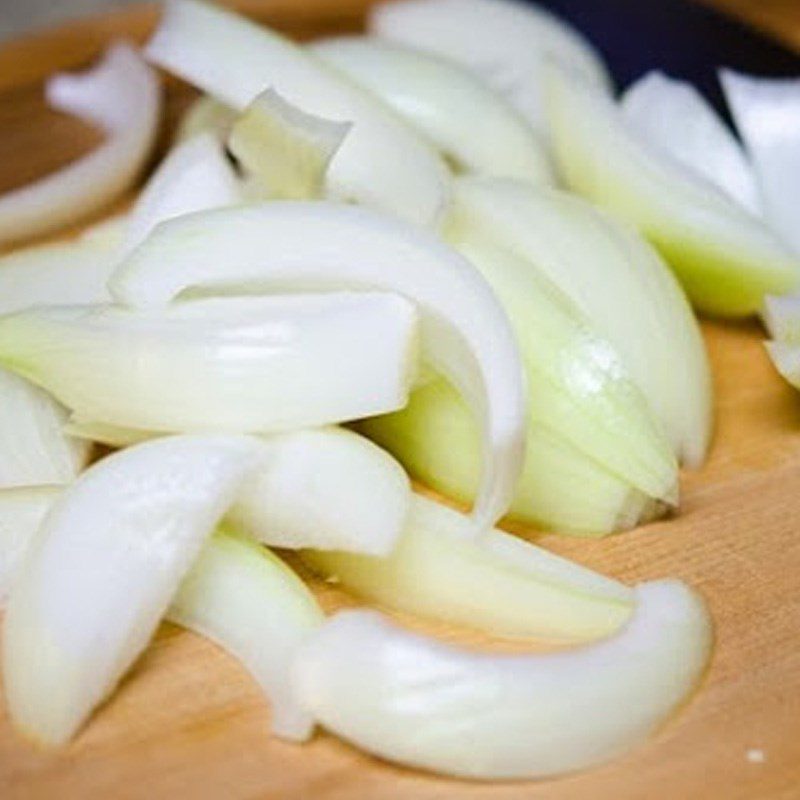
x: 103, y: 570
x: 103, y: 433
x: 382, y: 162
x: 781, y: 316
x: 248, y: 601
x: 786, y: 358
x: 121, y: 95
x: 443, y: 101
x: 725, y: 257
x: 423, y: 703
x: 34, y: 448
x: 626, y: 292
x: 194, y: 176
x: 561, y: 489
x: 330, y: 489
x: 767, y: 115
x: 237, y: 593
x: 286, y: 150
x: 499, y: 584
x: 22, y: 511
x: 252, y: 364
x: 206, y: 115
x: 466, y: 334
x: 506, y: 43
x: 675, y: 117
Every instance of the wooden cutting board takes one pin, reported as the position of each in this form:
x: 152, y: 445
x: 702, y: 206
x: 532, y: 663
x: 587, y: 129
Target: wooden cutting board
x: 189, y: 723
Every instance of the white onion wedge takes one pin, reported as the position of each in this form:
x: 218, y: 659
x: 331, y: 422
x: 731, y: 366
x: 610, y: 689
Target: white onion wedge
x: 34, y: 449
x: 382, y: 162
x: 786, y: 358
x: 330, y: 489
x: 465, y: 332
x: 617, y: 280
x: 103, y: 433
x: 206, y: 115
x: 506, y: 43
x: 725, y: 257
x: 422, y: 703
x: 122, y: 95
x: 249, y: 364
x: 248, y: 601
x: 781, y: 316
x: 674, y: 116
x: 767, y: 115
x: 22, y: 511
x: 499, y: 584
x: 194, y: 176
x: 103, y: 570
x: 443, y: 101
x: 283, y: 149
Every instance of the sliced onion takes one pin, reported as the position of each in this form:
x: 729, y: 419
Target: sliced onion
x: 562, y: 489
x: 781, y: 316
x: 252, y: 364
x: 284, y: 149
x: 675, y: 117
x: 206, y: 115
x: 419, y: 702
x: 499, y: 584
x: 103, y: 569
x: 330, y: 489
x: 382, y: 163
x: 121, y: 94
x: 505, y: 42
x: 767, y: 115
x: 33, y: 446
x: 22, y: 511
x: 108, y: 435
x: 786, y: 358
x: 194, y: 176
x: 246, y: 599
x: 725, y: 257
x: 626, y: 292
x: 466, y: 334
x: 443, y: 101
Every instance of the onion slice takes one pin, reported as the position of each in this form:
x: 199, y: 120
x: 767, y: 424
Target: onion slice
x: 674, y: 116
x: 194, y: 176
x: 466, y: 334
x: 103, y: 569
x: 499, y: 584
x: 34, y: 448
x: 767, y: 115
x: 506, y: 43
x: 122, y: 95
x: 206, y: 115
x: 786, y: 358
x: 381, y: 163
x: 284, y: 149
x: 781, y: 316
x: 725, y: 257
x: 251, y: 364
x: 443, y: 101
x: 423, y: 703
x: 626, y: 292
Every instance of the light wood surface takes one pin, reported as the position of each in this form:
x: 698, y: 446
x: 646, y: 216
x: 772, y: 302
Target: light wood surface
x: 188, y: 723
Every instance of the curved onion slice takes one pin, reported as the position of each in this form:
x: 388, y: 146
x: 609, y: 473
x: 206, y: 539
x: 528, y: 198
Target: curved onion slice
x: 561, y: 488
x: 33, y: 446
x: 245, y: 598
x: 675, y: 117
x: 786, y: 358
x: 416, y: 701
x: 22, y: 511
x: 330, y: 489
x: 284, y: 149
x: 443, y: 102
x: 617, y: 280
x: 251, y: 364
x: 381, y: 162
x: 781, y: 316
x: 466, y: 334
x: 726, y: 258
x: 506, y: 43
x: 206, y: 115
x: 103, y: 569
x: 767, y: 115
x: 499, y: 584
x: 194, y: 176
x: 122, y: 95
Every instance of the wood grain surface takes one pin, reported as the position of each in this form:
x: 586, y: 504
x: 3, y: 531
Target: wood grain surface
x: 188, y: 723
